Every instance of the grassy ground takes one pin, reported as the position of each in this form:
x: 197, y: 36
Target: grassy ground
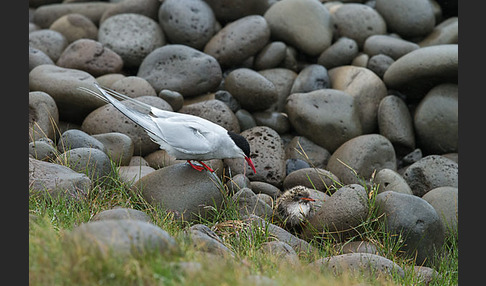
x: 53, y: 263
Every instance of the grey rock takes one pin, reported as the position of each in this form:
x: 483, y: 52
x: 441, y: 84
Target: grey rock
x: 265, y: 188
x: 238, y: 40
x: 379, y: 64
x: 359, y: 247
x: 238, y: 8
x: 159, y: 159
x: 252, y: 90
x: 248, y: 203
x: 416, y: 220
x: 238, y: 182
x: 417, y: 72
x: 119, y: 147
x: 270, y: 56
x: 340, y: 53
x: 318, y: 113
x: 181, y: 190
x: 445, y: 202
x: 408, y: 19
x: 90, y: 161
x: 119, y: 213
x: 51, y: 42
x: 204, y: 239
x: 436, y: 120
x: 147, y: 8
x: 245, y: 119
x: 364, y: 155
x: 188, y: 22
x: 215, y: 111
x: 228, y: 99
x: 121, y: 238
x: 74, y: 138
x: 174, y: 98
x: 390, y: 180
x: 43, y: 116
x: 163, y: 66
x: 340, y: 214
x: 447, y: 32
x: 133, y: 86
x: 42, y: 150
x: 313, y: 178
x: 396, y: 124
x: 292, y: 165
x: 358, y: 22
x: 62, y: 85
x: 131, y: 174
x: 431, y: 172
x: 283, y: 80
x: 425, y: 274
x: 121, y: 33
x: 393, y: 47
x: 138, y: 161
x: 37, y: 58
x: 75, y: 26
x: 278, y: 121
x: 311, y: 36
x: 312, y: 77
x: 361, y: 60
x: 302, y: 148
x: 55, y: 180
x: 412, y: 157
x: 366, y: 88
x: 108, y: 80
x: 280, y: 250
x: 45, y: 15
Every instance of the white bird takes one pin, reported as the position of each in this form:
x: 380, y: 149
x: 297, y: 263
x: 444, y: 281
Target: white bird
x: 294, y: 206
x: 184, y: 136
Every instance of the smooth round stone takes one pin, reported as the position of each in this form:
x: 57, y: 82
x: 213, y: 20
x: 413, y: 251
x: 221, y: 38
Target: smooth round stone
x: 390, y: 180
x: 37, y: 58
x: 312, y: 35
x: 90, y: 161
x: 418, y: 71
x: 248, y: 203
x: 431, y: 172
x: 396, y: 124
x: 445, y: 202
x: 75, y: 26
x: 174, y: 98
x: 237, y: 182
x: 312, y: 178
x: 160, y: 159
x: 280, y: 250
x: 292, y: 165
x: 367, y: 90
x: 118, y: 213
x: 359, y: 247
x: 131, y: 174
x: 122, y: 34
x: 62, y: 85
x: 445, y: 33
x: 413, y: 18
x: 138, y: 161
x: 365, y: 155
x: 361, y: 60
x: 379, y: 64
x: 265, y: 188
x: 252, y: 90
x: 231, y: 10
x: 43, y: 116
x: 245, y: 119
x: 214, y: 111
x: 340, y: 53
x: 187, y: 22
x: 228, y: 99
x: 74, y: 138
x: 51, y: 42
x: 42, y: 150
x: 270, y: 56
x: 90, y: 56
x: 147, y: 8
x: 108, y: 79
x: 119, y: 147
x: 312, y: 77
x: 204, y: 239
x: 302, y: 148
x: 276, y: 120
x: 436, y: 120
x: 416, y: 220
x: 283, y: 80
x: 45, y: 15
x: 163, y: 67
x: 388, y: 45
x: 133, y: 86
x: 318, y: 113
x: 238, y: 40
x: 358, y: 22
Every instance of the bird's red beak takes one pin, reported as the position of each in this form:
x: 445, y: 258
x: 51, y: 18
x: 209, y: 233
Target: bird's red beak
x: 308, y: 199
x: 248, y: 160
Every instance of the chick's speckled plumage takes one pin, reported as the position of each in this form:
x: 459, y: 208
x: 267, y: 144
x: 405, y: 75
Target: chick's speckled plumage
x: 294, y: 206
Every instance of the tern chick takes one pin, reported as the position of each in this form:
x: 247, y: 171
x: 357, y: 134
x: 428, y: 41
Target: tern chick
x: 294, y: 206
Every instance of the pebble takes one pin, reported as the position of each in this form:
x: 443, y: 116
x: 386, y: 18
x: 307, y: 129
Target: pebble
x: 237, y: 182
x: 119, y: 213
x: 138, y: 161
x: 311, y: 36
x: 182, y: 191
x: 215, y: 111
x: 302, y: 148
x: 187, y: 22
x: 228, y: 99
x: 90, y: 161
x: 122, y: 34
x: 264, y: 188
x: 445, y: 33
x: 90, y: 56
x: 238, y: 8
x: 118, y: 146
x: 51, y: 42
x: 363, y: 154
x: 283, y: 80
x: 367, y: 90
x: 390, y: 180
x: 159, y: 159
x: 313, y: 178
x: 416, y: 220
x: 359, y: 247
x: 358, y: 22
x: 75, y: 26
x: 204, y: 239
x: 318, y: 113
x: 414, y: 18
x: 431, y: 172
x: 131, y: 174
x: 436, y: 120
x: 281, y: 251
x: 37, y: 58
x: 379, y: 64
x: 133, y: 86
x: 445, y: 202
x: 292, y: 165
x: 45, y: 15
x: 248, y: 203
x: 396, y: 124
x: 270, y: 56
x: 162, y: 67
x: 55, y: 180
x: 108, y: 79
x: 43, y: 116
x: 415, y: 73
x: 340, y: 53
x: 174, y: 98
x: 252, y: 90
x: 245, y: 119
x: 74, y: 138
x: 391, y: 46
x: 238, y: 40
x: 42, y: 150
x: 278, y: 121
x: 312, y: 77
x: 147, y: 8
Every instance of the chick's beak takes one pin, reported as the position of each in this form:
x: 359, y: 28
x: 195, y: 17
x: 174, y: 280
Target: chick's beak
x: 248, y: 160
x: 308, y: 199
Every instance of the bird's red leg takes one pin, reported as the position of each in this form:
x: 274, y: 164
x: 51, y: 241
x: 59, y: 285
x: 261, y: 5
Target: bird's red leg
x: 206, y: 166
x: 199, y: 168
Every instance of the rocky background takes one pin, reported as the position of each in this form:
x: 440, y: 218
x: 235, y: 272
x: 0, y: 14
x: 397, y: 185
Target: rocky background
x: 342, y: 94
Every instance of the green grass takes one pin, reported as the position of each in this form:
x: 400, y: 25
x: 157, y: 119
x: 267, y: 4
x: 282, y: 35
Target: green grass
x: 53, y: 263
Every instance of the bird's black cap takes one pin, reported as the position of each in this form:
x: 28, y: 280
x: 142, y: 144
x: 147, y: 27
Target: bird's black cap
x: 241, y: 142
